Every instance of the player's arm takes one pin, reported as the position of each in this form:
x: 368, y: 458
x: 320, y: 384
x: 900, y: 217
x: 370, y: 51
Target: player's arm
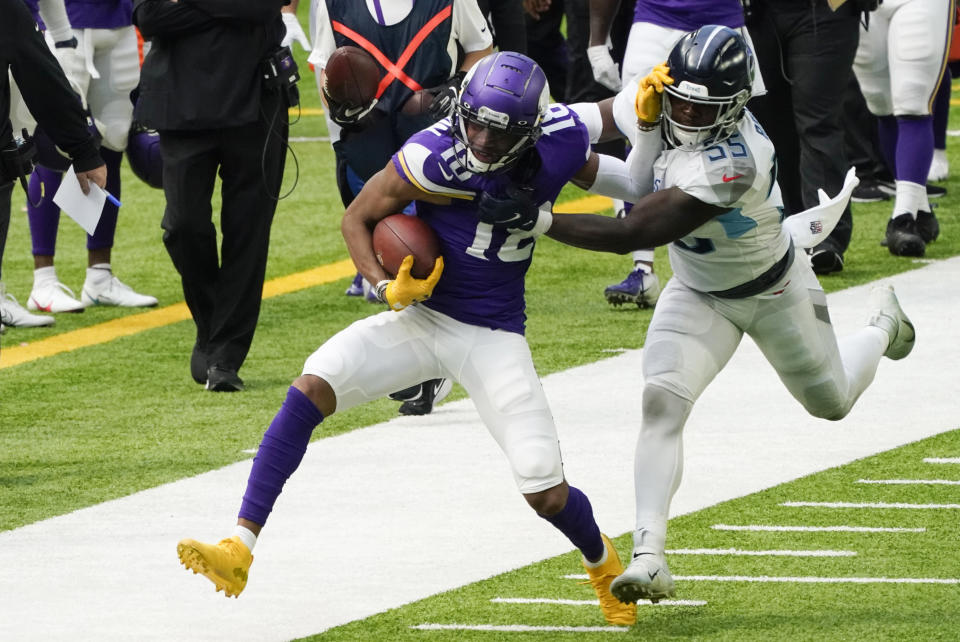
x: 656, y: 219
x: 384, y: 194
x: 599, y: 119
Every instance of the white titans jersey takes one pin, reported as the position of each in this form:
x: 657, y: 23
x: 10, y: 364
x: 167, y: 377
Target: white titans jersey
x: 738, y: 174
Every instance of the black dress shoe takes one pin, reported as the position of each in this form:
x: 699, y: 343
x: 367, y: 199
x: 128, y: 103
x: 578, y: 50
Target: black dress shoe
x: 221, y: 379
x: 826, y: 258
x: 198, y: 364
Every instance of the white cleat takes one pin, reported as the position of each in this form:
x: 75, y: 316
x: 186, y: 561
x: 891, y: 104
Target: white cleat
x: 891, y: 318
x: 113, y: 291
x: 53, y: 296
x: 939, y: 167
x: 647, y: 578
x: 16, y: 316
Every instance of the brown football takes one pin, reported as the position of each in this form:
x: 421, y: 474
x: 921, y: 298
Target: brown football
x: 398, y: 236
x: 418, y: 103
x: 351, y: 76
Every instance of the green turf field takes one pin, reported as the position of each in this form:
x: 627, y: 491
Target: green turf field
x: 104, y: 421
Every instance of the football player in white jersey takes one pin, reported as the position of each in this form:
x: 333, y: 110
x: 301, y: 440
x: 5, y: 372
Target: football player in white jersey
x: 899, y: 65
x: 717, y: 204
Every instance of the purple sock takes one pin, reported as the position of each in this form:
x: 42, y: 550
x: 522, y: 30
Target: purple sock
x: 103, y: 235
x: 577, y: 523
x: 914, y: 148
x: 280, y: 452
x: 941, y: 111
x: 45, y: 216
x: 887, y: 138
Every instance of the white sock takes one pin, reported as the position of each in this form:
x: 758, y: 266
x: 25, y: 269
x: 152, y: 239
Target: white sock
x: 599, y: 562
x: 246, y: 536
x: 910, y: 196
x: 44, y: 274
x: 653, y: 536
x: 98, y: 273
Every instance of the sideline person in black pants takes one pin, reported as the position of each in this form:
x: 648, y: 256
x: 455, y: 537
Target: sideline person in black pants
x: 805, y: 52
x: 202, y: 88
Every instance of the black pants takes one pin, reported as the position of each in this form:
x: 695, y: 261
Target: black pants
x: 506, y: 22
x: 5, y: 193
x: 224, y: 296
x: 806, y: 55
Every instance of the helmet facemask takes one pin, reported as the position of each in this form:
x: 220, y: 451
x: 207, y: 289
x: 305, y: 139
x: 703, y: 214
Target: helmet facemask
x: 692, y: 137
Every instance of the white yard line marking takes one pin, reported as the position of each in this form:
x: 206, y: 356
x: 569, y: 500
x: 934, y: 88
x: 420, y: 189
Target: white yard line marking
x: 943, y: 482
x: 941, y: 460
x: 739, y: 551
x: 545, y: 600
x: 520, y: 628
x: 868, y: 505
x: 817, y: 580
x: 817, y: 529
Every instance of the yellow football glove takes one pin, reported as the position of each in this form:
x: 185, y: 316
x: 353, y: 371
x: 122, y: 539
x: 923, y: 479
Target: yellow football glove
x: 649, y: 96
x: 405, y: 289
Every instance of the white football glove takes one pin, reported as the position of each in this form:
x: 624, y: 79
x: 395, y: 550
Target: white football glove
x: 294, y: 32
x: 605, y: 70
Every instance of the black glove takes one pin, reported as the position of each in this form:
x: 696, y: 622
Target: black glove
x: 347, y: 116
x: 445, y: 96
x: 516, y: 211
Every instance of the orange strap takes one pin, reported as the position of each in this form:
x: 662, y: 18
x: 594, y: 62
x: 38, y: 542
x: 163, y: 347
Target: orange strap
x: 395, y: 70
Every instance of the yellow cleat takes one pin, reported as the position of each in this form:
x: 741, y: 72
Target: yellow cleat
x: 615, y: 611
x: 226, y: 564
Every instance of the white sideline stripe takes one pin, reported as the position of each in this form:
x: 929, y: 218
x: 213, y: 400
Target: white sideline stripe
x: 943, y: 482
x: 520, y: 628
x: 941, y: 460
x: 391, y: 487
x: 868, y: 505
x: 739, y: 551
x: 817, y: 580
x: 816, y: 529
x: 546, y: 600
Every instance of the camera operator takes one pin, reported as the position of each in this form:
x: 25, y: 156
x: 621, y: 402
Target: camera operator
x: 217, y: 85
x: 56, y: 107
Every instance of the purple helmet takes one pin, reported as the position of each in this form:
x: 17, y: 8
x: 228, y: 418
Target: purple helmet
x: 504, y: 96
x: 143, y: 154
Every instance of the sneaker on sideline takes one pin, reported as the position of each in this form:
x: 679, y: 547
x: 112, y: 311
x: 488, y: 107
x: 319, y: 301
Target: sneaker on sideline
x: 53, y: 296
x: 420, y: 399
x: 826, y: 258
x: 928, y: 227
x: 640, y: 287
x: 113, y: 291
x: 226, y: 564
x: 891, y: 318
x: 647, y: 578
x: 903, y: 238
x: 356, y: 286
x: 16, y: 316
x: 615, y: 611
x: 869, y: 191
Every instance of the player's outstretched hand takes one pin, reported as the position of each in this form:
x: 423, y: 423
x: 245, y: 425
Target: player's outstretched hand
x: 649, y: 100
x: 406, y: 289
x: 445, y: 96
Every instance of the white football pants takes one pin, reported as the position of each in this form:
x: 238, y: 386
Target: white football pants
x: 390, y: 351
x: 693, y: 335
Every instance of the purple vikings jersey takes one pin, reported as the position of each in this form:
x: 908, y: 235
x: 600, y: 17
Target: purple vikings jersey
x: 688, y: 15
x: 484, y: 268
x: 99, y: 14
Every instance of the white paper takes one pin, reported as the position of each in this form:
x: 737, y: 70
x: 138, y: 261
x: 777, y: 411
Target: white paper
x: 85, y: 209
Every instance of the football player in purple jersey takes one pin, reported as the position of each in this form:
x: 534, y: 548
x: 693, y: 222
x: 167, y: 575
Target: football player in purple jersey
x: 504, y: 150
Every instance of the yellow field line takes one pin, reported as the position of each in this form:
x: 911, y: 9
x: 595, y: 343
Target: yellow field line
x: 142, y: 321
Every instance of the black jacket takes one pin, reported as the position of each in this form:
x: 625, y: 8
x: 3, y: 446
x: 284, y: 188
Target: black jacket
x: 203, y: 70
x: 43, y: 86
